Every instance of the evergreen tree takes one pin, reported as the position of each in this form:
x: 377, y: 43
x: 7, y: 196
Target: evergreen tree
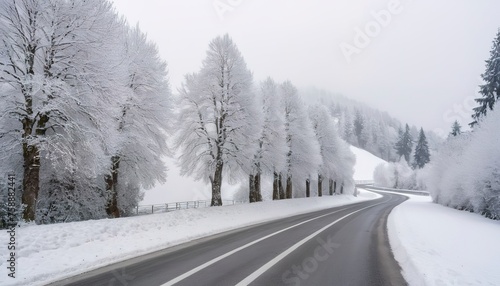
x: 404, y: 144
x: 422, y: 155
x: 359, y: 126
x: 456, y: 129
x: 490, y: 91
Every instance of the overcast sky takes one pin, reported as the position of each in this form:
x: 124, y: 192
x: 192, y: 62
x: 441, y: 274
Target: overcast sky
x: 418, y: 60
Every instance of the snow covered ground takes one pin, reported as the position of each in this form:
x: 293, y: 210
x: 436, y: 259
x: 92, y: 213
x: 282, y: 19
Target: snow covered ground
x: 47, y: 253
x: 436, y: 245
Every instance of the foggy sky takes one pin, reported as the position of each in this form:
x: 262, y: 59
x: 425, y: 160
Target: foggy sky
x: 420, y: 61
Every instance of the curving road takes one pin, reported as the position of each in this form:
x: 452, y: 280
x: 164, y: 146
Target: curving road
x: 339, y: 246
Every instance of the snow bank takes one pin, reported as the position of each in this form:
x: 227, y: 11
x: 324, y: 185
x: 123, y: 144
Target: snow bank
x: 47, y: 253
x: 436, y: 245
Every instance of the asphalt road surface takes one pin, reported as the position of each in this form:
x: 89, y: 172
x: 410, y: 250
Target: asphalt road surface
x: 345, y: 245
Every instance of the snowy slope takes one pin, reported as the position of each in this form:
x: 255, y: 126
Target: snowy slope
x: 437, y: 245
x: 365, y: 164
x: 47, y: 253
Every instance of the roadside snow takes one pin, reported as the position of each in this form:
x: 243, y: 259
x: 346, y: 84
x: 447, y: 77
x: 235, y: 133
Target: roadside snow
x: 47, y: 253
x: 436, y: 245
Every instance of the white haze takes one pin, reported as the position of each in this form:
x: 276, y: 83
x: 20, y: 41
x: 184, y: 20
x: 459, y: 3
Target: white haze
x: 423, y: 67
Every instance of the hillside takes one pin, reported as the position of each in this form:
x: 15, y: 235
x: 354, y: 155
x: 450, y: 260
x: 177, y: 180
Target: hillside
x: 365, y: 164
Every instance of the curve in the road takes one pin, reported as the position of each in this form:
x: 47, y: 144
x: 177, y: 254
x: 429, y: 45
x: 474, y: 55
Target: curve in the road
x: 340, y: 246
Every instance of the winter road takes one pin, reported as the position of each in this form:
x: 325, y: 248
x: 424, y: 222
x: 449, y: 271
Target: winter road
x: 345, y: 245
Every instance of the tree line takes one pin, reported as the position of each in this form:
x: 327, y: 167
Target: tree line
x: 368, y: 128
x: 228, y: 127
x: 86, y: 111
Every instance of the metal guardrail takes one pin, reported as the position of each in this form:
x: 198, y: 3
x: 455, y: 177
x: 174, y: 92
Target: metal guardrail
x: 169, y: 207
x: 363, y: 182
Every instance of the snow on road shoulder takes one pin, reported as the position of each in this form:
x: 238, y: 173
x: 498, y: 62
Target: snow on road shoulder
x: 47, y: 253
x: 436, y: 245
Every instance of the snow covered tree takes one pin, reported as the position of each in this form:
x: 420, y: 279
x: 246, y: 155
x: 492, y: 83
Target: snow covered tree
x: 422, y: 155
x: 329, y: 141
x: 141, y: 125
x: 405, y: 143
x: 217, y: 117
x: 456, y: 129
x: 490, y: 90
x: 77, y: 103
x: 303, y: 152
x: 347, y: 127
x: 271, y: 150
x: 359, y: 126
x: 465, y: 173
x: 54, y: 69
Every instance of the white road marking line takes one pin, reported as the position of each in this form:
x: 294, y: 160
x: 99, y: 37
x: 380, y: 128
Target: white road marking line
x: 275, y: 260
x: 206, y: 264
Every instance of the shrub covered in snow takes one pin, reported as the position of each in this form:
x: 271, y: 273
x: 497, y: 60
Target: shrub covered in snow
x: 465, y: 174
x: 399, y: 175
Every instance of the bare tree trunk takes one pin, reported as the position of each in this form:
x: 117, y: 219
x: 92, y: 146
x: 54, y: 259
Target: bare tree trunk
x: 112, y: 188
x: 251, y: 187
x: 280, y: 185
x: 31, y: 180
x: 276, y: 192
x: 258, y: 194
x: 289, y: 187
x: 330, y: 187
x: 31, y: 153
x: 320, y: 186
x: 342, y: 188
x: 216, y: 185
x: 335, y: 187
x: 308, y: 188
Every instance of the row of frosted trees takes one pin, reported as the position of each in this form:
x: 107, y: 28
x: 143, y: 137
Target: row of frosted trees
x: 84, y: 109
x: 229, y: 127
